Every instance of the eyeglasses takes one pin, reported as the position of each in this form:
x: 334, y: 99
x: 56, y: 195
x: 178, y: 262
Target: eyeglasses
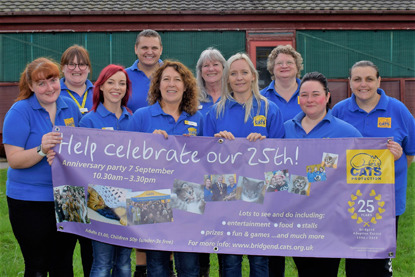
x: 289, y: 63
x: 72, y: 66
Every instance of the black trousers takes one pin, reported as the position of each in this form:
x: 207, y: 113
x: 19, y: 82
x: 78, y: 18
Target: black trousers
x: 372, y: 267
x: 321, y: 267
x: 44, y: 249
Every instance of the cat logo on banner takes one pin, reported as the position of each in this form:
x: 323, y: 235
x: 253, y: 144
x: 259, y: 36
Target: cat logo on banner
x: 370, y: 167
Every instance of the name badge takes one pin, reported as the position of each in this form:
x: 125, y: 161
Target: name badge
x: 200, y: 107
x: 83, y: 110
x: 108, y: 128
x: 191, y: 123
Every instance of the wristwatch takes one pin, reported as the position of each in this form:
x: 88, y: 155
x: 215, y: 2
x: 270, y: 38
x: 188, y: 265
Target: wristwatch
x: 39, y: 151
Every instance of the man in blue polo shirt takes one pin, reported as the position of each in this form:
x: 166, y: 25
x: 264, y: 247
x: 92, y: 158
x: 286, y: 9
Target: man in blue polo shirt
x: 148, y: 49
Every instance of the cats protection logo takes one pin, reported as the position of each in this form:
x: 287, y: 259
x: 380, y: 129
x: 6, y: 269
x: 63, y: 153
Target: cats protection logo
x: 260, y: 121
x: 370, y: 167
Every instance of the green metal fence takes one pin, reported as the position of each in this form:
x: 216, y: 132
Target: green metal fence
x: 334, y: 52
x: 16, y: 50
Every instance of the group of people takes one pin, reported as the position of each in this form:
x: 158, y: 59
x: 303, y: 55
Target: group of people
x: 164, y: 97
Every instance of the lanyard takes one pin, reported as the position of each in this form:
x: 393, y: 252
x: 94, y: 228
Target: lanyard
x: 81, y: 108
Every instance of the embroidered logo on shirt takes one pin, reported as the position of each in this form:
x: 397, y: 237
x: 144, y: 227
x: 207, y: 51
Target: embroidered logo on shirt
x: 260, y: 121
x: 69, y: 122
x: 384, y: 122
x: 191, y: 123
x: 192, y: 131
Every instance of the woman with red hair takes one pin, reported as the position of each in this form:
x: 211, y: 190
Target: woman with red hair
x: 109, y: 112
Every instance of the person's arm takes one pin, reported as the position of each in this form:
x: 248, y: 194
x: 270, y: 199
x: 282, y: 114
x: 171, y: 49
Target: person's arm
x: 255, y: 137
x: 225, y: 134
x: 19, y: 158
x: 409, y: 159
x: 161, y: 132
x: 395, y: 149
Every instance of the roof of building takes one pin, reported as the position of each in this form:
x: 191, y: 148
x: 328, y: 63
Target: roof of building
x: 41, y: 7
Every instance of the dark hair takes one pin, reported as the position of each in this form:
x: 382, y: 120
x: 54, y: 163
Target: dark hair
x: 39, y: 69
x: 106, y: 73
x: 318, y: 77
x: 190, y: 101
x: 148, y: 33
x: 364, y: 64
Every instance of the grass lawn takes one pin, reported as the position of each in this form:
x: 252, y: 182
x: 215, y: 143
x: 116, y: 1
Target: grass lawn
x: 11, y: 261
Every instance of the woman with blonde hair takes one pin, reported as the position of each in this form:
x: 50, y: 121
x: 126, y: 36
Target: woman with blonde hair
x: 209, y: 75
x: 243, y: 112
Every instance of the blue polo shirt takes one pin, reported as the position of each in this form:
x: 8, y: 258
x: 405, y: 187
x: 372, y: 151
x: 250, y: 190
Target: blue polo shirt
x: 140, y: 85
x: 24, y: 126
x: 328, y: 127
x: 288, y: 109
x: 104, y: 119
x: 152, y: 118
x: 232, y: 120
x: 79, y: 99
x: 390, y: 118
x: 204, y: 107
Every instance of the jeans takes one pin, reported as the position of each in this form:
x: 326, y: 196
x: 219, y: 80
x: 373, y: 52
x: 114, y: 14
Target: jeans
x: 109, y: 258
x: 158, y: 263
x: 231, y: 266
x: 187, y: 264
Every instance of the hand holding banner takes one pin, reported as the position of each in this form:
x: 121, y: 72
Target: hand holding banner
x: 286, y: 197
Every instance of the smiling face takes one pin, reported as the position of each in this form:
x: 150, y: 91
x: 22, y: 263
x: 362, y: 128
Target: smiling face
x: 313, y: 99
x: 46, y: 90
x: 285, y: 67
x: 114, y: 89
x: 208, y: 183
x: 364, y: 83
x: 240, y: 77
x: 76, y: 77
x: 171, y: 86
x: 212, y: 71
x: 279, y: 180
x: 148, y: 51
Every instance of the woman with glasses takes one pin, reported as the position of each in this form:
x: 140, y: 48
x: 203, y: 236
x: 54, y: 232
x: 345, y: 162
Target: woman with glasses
x: 76, y: 66
x: 284, y: 64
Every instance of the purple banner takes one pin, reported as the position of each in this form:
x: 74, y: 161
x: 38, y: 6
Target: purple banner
x: 285, y: 197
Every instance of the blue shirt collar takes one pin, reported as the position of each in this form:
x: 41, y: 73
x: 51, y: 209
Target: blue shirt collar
x: 328, y: 117
x: 232, y: 102
x: 60, y: 103
x: 382, y: 104
x: 271, y: 88
x: 88, y: 83
x: 135, y: 65
x: 157, y: 110
x: 102, y: 111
